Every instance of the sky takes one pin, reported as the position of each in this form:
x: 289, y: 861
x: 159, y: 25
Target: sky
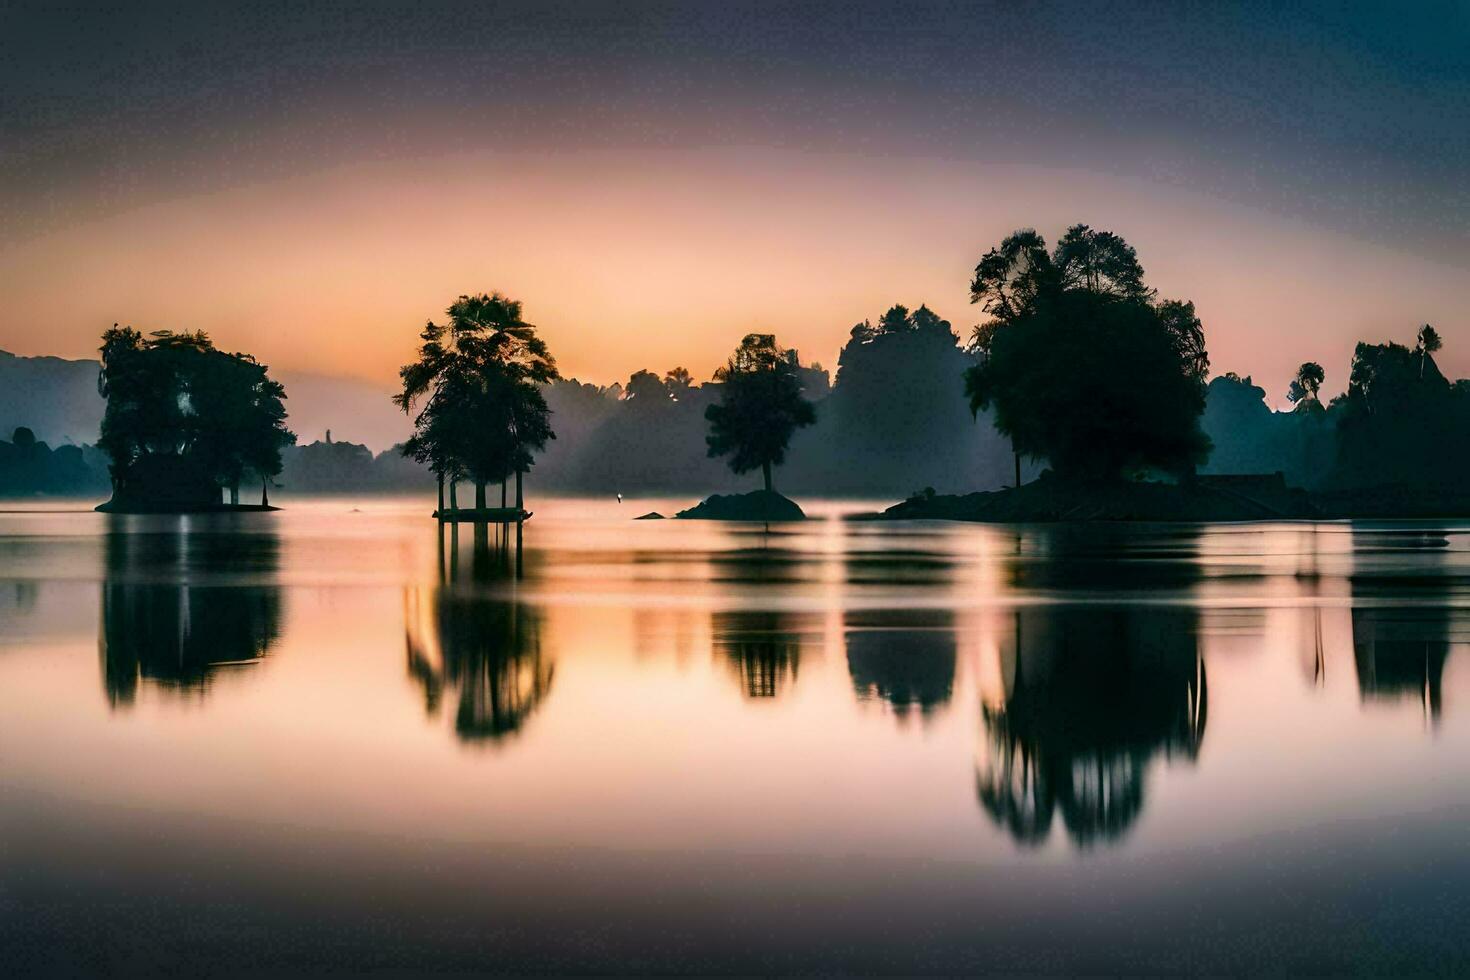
x: 310, y: 183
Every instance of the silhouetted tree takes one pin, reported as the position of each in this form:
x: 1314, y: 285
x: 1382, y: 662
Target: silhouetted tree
x: 646, y: 388
x: 886, y: 410
x: 1247, y: 436
x: 1304, y: 387
x: 478, y: 382
x: 1427, y: 343
x: 678, y: 381
x: 1397, y: 419
x: 1081, y: 365
x: 760, y: 406
x: 180, y: 411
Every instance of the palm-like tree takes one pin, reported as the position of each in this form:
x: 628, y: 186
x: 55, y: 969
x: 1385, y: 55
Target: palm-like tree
x: 476, y: 381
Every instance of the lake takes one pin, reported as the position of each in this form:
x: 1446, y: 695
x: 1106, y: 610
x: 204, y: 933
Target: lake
x: 328, y: 738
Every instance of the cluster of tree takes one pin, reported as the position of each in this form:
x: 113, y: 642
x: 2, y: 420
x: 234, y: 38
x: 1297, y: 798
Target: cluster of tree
x: 29, y: 466
x: 894, y: 421
x: 1083, y: 365
x: 1393, y: 424
x: 477, y: 387
x: 185, y: 419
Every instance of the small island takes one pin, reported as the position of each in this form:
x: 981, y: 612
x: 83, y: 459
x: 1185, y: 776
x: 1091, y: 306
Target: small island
x: 761, y: 405
x: 186, y: 422
x: 1087, y: 371
x: 481, y: 414
x: 758, y: 505
x: 1050, y: 498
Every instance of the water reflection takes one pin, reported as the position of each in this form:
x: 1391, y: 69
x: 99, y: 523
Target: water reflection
x: 467, y: 638
x: 1091, y: 695
x: 17, y: 599
x: 1111, y: 557
x: 903, y: 657
x: 762, y: 648
x: 1400, y: 653
x: 1062, y: 669
x: 179, y: 604
x: 1403, y: 618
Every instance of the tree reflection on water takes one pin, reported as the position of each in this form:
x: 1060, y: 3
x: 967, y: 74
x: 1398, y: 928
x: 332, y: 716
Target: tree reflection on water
x: 1092, y: 695
x: 904, y: 657
x: 469, y: 638
x: 179, y: 605
x: 762, y: 648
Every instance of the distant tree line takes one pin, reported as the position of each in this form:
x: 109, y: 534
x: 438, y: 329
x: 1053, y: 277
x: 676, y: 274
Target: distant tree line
x: 1079, y: 367
x: 1400, y: 421
x: 29, y: 467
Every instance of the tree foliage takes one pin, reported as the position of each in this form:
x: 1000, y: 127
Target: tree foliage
x: 1303, y: 389
x: 1400, y: 419
x: 761, y: 405
x: 177, y: 395
x: 477, y: 384
x: 1080, y: 362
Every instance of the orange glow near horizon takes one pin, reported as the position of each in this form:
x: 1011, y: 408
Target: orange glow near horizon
x: 635, y: 260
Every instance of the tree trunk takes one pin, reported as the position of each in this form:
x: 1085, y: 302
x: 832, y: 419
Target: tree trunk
x: 441, y: 494
x: 265, y: 497
x: 454, y: 494
x: 502, y: 493
x: 520, y: 496
x: 235, y: 494
x: 1018, y: 462
x: 479, y: 495
x: 766, y: 473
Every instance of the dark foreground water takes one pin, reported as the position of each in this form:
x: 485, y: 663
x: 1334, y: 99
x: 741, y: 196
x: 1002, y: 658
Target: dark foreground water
x: 312, y: 740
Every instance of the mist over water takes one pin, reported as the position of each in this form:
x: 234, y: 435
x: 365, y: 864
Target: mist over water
x: 330, y: 737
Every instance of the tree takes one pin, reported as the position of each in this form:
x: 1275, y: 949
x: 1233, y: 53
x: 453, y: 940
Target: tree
x: 646, y: 388
x: 1304, y: 387
x: 1398, y: 422
x: 184, y: 418
x: 1082, y: 366
x: 678, y: 381
x: 477, y: 383
x: 760, y: 406
x: 1428, y: 343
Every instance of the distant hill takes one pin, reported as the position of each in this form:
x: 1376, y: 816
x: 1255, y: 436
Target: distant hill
x: 355, y: 411
x: 57, y: 399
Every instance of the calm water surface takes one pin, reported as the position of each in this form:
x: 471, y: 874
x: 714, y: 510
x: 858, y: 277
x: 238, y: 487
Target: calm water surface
x: 324, y: 739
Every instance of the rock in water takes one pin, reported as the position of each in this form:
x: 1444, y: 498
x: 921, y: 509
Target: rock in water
x: 652, y: 515
x: 759, y: 505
